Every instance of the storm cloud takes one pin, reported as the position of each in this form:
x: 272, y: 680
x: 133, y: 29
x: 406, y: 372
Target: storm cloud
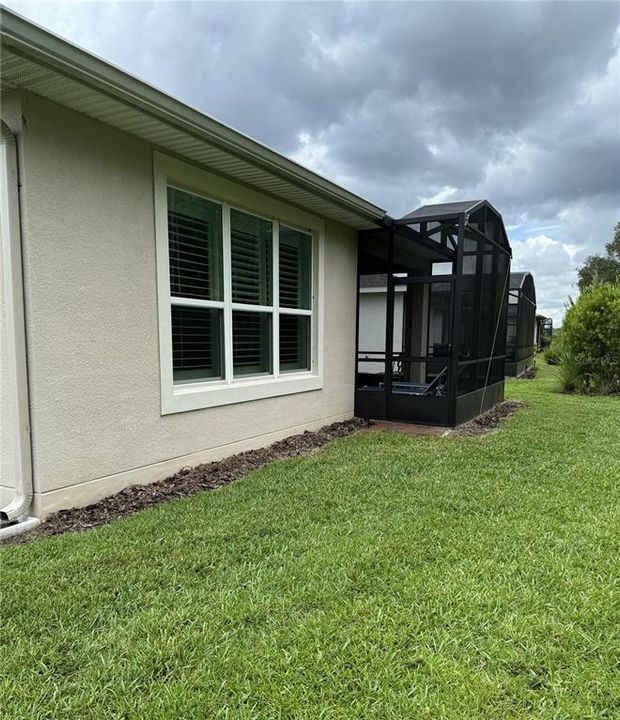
x: 404, y: 103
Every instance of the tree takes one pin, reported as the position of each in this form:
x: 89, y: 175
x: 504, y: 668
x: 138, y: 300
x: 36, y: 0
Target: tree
x: 602, y: 268
x: 589, y: 352
x: 613, y: 247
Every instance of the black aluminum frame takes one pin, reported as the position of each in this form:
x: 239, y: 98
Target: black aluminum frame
x: 442, y: 237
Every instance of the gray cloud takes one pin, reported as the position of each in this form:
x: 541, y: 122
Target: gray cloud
x: 404, y: 102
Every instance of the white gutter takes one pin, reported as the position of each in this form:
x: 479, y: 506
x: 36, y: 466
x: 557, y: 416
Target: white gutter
x: 13, y: 517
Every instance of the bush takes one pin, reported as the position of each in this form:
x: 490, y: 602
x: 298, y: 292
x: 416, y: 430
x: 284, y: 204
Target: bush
x: 553, y: 352
x: 590, y: 343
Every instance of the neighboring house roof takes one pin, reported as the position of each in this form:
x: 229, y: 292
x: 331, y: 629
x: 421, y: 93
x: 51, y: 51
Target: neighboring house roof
x: 40, y: 62
x: 440, y: 209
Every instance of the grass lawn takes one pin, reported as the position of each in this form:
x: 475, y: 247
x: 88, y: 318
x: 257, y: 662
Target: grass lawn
x: 384, y: 577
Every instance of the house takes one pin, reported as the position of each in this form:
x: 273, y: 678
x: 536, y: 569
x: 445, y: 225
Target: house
x: 175, y: 292
x: 432, y: 314
x: 179, y: 281
x: 521, y: 325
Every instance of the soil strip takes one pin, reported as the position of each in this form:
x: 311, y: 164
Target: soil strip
x: 489, y: 421
x: 528, y: 374
x: 210, y: 476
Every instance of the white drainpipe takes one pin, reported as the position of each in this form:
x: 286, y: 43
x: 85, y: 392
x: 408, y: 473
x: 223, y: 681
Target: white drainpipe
x: 14, y: 516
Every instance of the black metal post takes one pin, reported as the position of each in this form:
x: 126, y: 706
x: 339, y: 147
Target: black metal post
x: 497, y: 310
x: 389, y: 324
x: 455, y: 340
x: 478, y: 301
x: 357, y: 323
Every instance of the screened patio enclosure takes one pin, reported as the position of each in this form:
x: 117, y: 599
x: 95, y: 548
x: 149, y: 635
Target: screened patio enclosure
x: 544, y: 332
x: 521, y: 325
x: 433, y: 349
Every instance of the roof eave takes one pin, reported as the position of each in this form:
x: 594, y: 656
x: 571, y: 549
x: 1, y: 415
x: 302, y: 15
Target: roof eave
x: 29, y: 40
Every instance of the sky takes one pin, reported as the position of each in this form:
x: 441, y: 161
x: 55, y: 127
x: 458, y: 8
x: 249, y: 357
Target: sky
x: 403, y: 103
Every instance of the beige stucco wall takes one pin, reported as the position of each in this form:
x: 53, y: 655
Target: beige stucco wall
x: 10, y: 114
x: 8, y: 467
x: 90, y: 273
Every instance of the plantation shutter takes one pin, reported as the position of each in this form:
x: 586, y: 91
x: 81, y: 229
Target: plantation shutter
x: 203, y: 303
x: 195, y: 263
x: 196, y: 343
x: 289, y: 276
x: 251, y: 252
x: 195, y: 246
x: 295, y: 263
x: 294, y: 342
x: 251, y: 343
x: 251, y: 241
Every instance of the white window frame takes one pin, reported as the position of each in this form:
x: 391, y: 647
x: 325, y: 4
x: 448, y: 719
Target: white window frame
x: 176, y: 398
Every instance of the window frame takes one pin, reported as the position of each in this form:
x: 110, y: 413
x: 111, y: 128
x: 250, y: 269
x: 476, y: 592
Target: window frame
x: 181, y: 397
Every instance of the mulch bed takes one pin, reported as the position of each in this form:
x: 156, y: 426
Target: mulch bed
x: 210, y: 476
x: 489, y: 421
x: 528, y: 374
x: 188, y: 481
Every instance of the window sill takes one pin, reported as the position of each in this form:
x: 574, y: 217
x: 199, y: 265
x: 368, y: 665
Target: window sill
x: 197, y: 396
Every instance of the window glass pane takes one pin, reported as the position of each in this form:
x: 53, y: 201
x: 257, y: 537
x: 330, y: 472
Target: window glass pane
x: 295, y: 268
x: 251, y: 343
x: 441, y: 268
x: 197, y: 345
x: 251, y: 240
x: 294, y: 342
x: 195, y: 246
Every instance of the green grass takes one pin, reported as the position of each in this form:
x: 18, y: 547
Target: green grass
x: 385, y: 577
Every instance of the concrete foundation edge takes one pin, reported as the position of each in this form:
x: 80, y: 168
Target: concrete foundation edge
x: 93, y: 490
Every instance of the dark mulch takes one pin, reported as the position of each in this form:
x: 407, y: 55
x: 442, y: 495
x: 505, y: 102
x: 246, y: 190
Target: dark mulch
x: 528, y: 374
x: 489, y: 420
x: 188, y: 481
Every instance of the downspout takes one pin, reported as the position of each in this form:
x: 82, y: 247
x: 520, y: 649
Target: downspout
x: 13, y: 517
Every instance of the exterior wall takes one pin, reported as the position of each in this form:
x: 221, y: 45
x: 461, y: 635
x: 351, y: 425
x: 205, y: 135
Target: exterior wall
x: 372, y: 312
x: 91, y: 303
x: 10, y: 111
x: 8, y: 467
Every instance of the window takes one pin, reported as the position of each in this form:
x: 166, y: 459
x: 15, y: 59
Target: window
x: 238, y: 294
x: 295, y: 261
x: 195, y: 261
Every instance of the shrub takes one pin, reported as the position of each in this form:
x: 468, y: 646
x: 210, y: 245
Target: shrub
x: 553, y: 352
x: 590, y: 343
